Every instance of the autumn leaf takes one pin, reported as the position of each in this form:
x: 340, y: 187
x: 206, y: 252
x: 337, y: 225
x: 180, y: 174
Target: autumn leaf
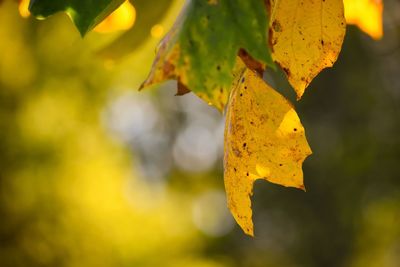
x: 306, y: 37
x: 366, y: 14
x: 264, y: 139
x: 201, y: 48
x: 85, y: 14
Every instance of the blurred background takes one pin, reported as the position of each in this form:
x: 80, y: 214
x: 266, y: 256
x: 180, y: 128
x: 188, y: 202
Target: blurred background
x: 95, y: 173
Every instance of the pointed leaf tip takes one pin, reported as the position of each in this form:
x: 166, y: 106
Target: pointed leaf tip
x: 264, y: 139
x: 306, y: 37
x: 85, y: 14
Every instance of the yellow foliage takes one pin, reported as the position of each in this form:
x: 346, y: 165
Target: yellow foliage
x: 23, y: 8
x: 264, y: 139
x: 122, y: 18
x: 306, y: 37
x: 367, y: 15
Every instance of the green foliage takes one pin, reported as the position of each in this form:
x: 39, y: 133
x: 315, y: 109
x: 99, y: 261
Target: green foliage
x: 86, y: 14
x: 73, y: 193
x: 200, y: 51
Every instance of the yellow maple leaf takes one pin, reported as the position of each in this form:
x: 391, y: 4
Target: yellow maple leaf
x: 367, y: 15
x: 306, y: 37
x: 264, y: 139
x: 122, y: 18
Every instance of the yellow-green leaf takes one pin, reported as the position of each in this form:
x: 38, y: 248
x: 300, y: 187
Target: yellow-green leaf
x: 306, y: 37
x: 264, y: 139
x: 201, y: 48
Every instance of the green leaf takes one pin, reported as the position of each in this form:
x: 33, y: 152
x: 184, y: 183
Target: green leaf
x: 200, y: 51
x: 86, y: 14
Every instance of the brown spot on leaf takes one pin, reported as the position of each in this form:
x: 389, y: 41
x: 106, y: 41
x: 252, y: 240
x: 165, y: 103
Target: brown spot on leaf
x: 237, y: 152
x: 168, y: 68
x: 287, y: 71
x: 276, y: 26
x: 251, y: 63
